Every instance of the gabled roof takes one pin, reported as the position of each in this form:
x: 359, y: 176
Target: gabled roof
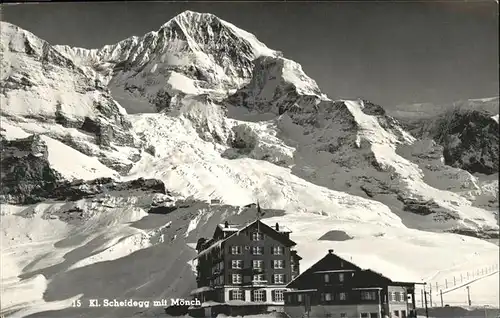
x: 359, y: 267
x: 262, y: 226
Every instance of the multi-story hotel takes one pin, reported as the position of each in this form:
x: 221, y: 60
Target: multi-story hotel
x: 244, y: 269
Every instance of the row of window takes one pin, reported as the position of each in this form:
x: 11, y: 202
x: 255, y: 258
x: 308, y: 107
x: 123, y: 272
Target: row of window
x: 275, y: 264
x: 257, y: 250
x: 257, y: 295
x: 362, y: 315
x: 329, y: 296
x: 398, y: 296
x: 340, y: 278
x: 259, y: 278
x: 397, y: 313
x: 340, y: 296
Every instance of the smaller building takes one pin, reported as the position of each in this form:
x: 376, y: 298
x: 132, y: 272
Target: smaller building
x: 336, y: 288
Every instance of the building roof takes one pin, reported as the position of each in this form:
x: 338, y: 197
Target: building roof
x: 335, y: 271
x: 201, y: 290
x: 301, y: 291
x: 236, y: 227
x: 230, y: 228
x: 369, y: 263
x: 263, y: 226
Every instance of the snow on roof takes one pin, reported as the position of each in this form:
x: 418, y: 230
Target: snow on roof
x: 236, y: 227
x: 301, y: 291
x: 211, y: 247
x: 380, y: 266
x: 229, y: 228
x: 366, y: 288
x: 375, y: 264
x: 201, y: 290
x: 284, y: 229
x: 335, y: 271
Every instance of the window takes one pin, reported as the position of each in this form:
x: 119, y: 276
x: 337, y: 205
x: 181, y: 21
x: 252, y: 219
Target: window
x: 396, y: 313
x: 293, y: 267
x: 259, y: 295
x: 368, y: 295
x: 236, y: 250
x: 328, y: 315
x: 328, y: 297
x: 259, y: 278
x: 343, y: 315
x: 279, y: 278
x: 278, y: 264
x: 373, y: 315
x: 236, y: 278
x: 403, y: 313
x: 342, y: 296
x: 258, y: 264
x: 404, y: 297
x: 257, y: 250
x: 327, y: 278
x: 257, y: 236
x: 300, y: 298
x: 278, y: 250
x: 278, y: 295
x: 341, y: 277
x: 237, y: 294
x: 397, y: 296
x: 236, y: 264
x: 365, y: 315
x: 393, y: 296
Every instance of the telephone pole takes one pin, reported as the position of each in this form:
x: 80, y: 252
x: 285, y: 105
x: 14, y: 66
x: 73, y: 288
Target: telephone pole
x: 468, y: 295
x: 425, y: 299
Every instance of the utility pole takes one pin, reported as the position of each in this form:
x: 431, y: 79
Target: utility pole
x: 425, y: 299
x: 441, y: 293
x: 468, y: 295
x: 430, y: 294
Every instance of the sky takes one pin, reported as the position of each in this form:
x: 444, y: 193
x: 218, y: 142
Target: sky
x: 391, y: 53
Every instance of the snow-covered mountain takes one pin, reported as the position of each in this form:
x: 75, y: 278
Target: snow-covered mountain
x: 111, y: 157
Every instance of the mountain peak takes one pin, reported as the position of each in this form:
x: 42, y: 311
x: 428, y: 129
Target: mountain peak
x: 193, y: 16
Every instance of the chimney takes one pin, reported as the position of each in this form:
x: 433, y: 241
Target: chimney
x: 226, y: 225
x: 277, y: 227
x: 330, y: 251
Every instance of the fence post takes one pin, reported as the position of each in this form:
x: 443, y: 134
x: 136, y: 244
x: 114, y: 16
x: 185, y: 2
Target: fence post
x: 422, y: 297
x: 441, y: 293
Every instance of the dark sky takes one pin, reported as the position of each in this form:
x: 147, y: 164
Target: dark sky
x: 389, y: 52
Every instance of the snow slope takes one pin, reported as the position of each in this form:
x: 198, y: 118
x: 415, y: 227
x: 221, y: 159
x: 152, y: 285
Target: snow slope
x: 239, y: 125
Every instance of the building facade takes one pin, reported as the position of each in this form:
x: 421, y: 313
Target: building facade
x: 336, y: 288
x: 244, y: 269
